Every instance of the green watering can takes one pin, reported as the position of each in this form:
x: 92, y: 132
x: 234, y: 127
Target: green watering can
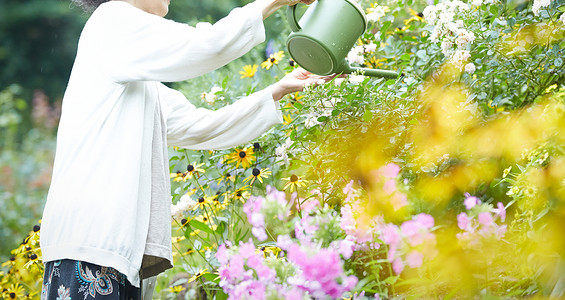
x: 325, y: 34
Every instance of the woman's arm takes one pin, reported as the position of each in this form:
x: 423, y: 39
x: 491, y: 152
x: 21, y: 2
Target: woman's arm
x: 270, y: 6
x: 133, y: 45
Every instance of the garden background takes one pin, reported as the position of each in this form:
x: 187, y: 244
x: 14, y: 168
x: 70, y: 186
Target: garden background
x: 447, y: 182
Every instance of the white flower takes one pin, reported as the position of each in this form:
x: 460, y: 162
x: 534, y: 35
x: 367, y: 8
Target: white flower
x: 338, y: 81
x: 460, y: 57
x: 470, y: 68
x: 464, y: 38
x: 446, y: 47
x: 183, y: 205
x: 370, y: 47
x: 356, y: 55
x: 562, y: 18
x: 311, y: 121
x: 538, y: 4
x: 356, y: 79
x: 376, y: 13
x: 477, y: 2
x: 430, y: 14
x: 283, y: 150
x: 215, y: 89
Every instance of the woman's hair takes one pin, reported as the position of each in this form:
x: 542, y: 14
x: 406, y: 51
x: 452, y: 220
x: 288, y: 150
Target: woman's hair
x: 88, y: 5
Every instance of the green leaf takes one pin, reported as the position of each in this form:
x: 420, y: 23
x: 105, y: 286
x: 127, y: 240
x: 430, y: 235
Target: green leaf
x: 298, y: 105
x: 199, y: 225
x: 187, y: 232
x: 391, y: 279
x: 220, y: 295
x: 558, y: 62
x: 367, y: 115
x: 211, y: 277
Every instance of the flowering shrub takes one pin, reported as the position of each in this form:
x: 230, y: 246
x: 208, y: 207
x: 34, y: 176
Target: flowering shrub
x: 445, y: 182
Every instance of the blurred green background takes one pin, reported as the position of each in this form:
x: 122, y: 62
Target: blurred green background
x: 38, y: 41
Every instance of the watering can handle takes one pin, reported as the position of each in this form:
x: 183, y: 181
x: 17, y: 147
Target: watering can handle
x: 291, y: 16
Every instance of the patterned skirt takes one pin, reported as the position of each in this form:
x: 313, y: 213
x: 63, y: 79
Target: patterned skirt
x: 74, y: 280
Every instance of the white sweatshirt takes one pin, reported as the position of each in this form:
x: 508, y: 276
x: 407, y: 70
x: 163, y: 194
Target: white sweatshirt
x: 99, y: 203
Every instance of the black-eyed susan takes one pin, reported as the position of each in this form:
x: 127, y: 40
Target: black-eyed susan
x: 287, y: 119
x: 416, y: 16
x: 178, y: 176
x: 257, y: 174
x: 292, y: 63
x: 269, y: 250
x: 201, y: 202
x: 188, y: 251
x: 248, y: 71
x: 33, y: 260
x: 198, y: 275
x: 226, y: 178
x: 243, y: 156
x: 294, y: 182
x: 14, y: 291
x: 257, y: 147
x: 202, y: 218
x: 241, y: 194
x: 192, y: 170
x: 273, y: 59
x: 178, y: 239
x: 176, y: 289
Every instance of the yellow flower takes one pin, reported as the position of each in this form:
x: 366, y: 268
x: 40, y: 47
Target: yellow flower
x: 287, y: 119
x: 176, y: 289
x: 228, y: 177
x: 192, y: 170
x: 248, y: 71
x: 243, y: 156
x: 178, y: 176
x: 270, y: 249
x: 201, y: 202
x: 241, y: 194
x: 15, y: 291
x: 416, y: 16
x: 294, y: 182
x: 257, y: 174
x: 198, y: 275
x: 33, y: 260
x: 273, y: 59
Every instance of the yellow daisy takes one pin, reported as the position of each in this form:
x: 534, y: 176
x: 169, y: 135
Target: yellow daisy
x: 294, y: 182
x: 227, y: 177
x: 192, y: 170
x: 273, y: 59
x: 198, y: 275
x: 243, y: 156
x: 248, y: 71
x: 176, y: 289
x: 257, y: 174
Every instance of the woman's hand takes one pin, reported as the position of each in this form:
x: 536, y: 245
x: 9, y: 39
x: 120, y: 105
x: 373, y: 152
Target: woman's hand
x: 270, y: 6
x: 295, y: 82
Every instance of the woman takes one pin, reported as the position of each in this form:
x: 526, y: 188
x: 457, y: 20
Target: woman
x: 106, y: 223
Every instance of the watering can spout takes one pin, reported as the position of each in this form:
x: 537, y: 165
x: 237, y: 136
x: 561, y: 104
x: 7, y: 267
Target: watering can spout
x: 371, y: 72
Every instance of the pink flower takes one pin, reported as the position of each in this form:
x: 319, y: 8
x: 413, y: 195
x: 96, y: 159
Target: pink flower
x: 390, y: 234
x: 471, y: 201
x: 390, y: 171
x: 397, y: 266
x: 398, y: 200
x: 414, y: 259
x: 464, y: 222
x: 222, y: 254
x: 500, y: 211
x: 485, y: 218
x: 425, y: 220
x: 389, y: 186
